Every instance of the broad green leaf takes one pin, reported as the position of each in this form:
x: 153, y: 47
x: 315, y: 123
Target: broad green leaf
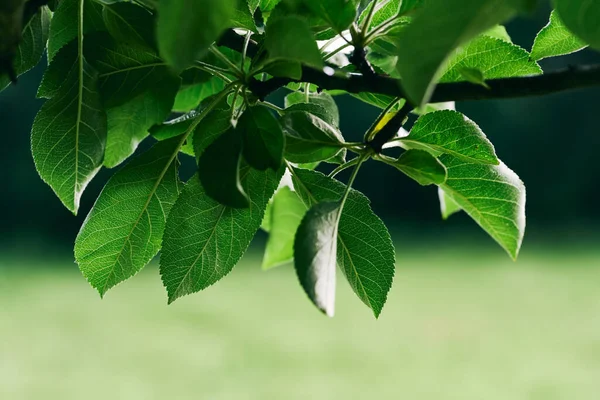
x: 452, y: 133
x: 582, y: 18
x: 69, y: 132
x: 284, y: 214
x: 289, y: 38
x: 212, y: 126
x: 315, y: 253
x: 219, y: 170
x: 128, y: 124
x: 377, y: 100
x: 242, y: 17
x: 190, y: 96
x: 339, y: 14
x: 174, y: 127
x: 498, y: 32
x: 555, y: 39
x: 331, y: 114
x: 263, y: 138
x: 447, y: 205
x: 385, y: 11
x: 410, y: 5
x: 73, y: 18
x: 492, y: 195
x: 365, y: 252
x: 124, y: 229
x: 309, y: 138
x: 421, y: 166
x: 494, y: 58
x: 186, y: 29
x: 32, y: 46
x: 204, y: 239
x: 130, y: 23
x: 439, y: 27
x: 285, y: 69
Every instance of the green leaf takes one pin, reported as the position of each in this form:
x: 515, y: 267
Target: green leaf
x: 421, y: 166
x: 493, y: 58
x: 69, y: 132
x: 219, y: 170
x: 128, y: 124
x: 242, y: 17
x: 385, y: 10
x: 327, y: 111
x: 447, y: 205
x: 73, y: 18
x: 204, y: 239
x: 263, y: 138
x: 130, y: 23
x: 582, y: 18
x: 32, y: 46
x: 452, y: 133
x: 190, y: 96
x: 315, y: 252
x: 124, y: 230
x: 186, y: 29
x: 309, y: 138
x: 339, y: 14
x: 365, y: 252
x: 492, y: 195
x: 377, y: 100
x: 285, y: 211
x: 290, y: 38
x: 498, y: 32
x: 436, y: 32
x: 555, y: 39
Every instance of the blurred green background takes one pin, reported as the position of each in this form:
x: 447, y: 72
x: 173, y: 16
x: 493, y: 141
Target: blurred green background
x: 462, y: 322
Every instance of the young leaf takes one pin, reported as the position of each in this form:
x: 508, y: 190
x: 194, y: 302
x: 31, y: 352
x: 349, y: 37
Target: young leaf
x: 339, y: 14
x: 429, y: 40
x: 492, y: 195
x: 422, y: 167
x: 452, y: 133
x: 365, y: 252
x: 309, y: 138
x: 263, y: 138
x: 123, y: 231
x: 130, y: 23
x: 68, y: 136
x: 582, y: 18
x: 128, y: 124
x: 447, y: 205
x: 289, y: 38
x: 204, y: 239
x: 493, y: 58
x: 219, y: 170
x: 315, y: 252
x: 328, y: 110
x: 281, y: 221
x: 186, y: 29
x: 555, y: 39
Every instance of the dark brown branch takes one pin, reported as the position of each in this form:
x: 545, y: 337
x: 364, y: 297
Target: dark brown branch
x: 539, y: 85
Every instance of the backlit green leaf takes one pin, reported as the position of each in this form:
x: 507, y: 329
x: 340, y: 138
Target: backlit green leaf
x: 289, y: 38
x: 555, y: 39
x: 124, y: 230
x: 447, y: 205
x: 421, y: 166
x: 582, y: 18
x: 325, y: 101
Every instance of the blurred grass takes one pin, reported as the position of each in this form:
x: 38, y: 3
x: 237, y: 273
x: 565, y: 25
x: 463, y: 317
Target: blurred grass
x: 455, y: 327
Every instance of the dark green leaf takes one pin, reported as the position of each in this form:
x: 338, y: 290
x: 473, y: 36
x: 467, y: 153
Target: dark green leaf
x: 339, y: 14
x: 242, y: 17
x: 453, y: 133
x: 124, y: 230
x: 364, y: 251
x: 492, y: 195
x: 330, y: 113
x: 263, y: 138
x: 190, y: 96
x: 289, y: 38
x: 130, y: 23
x: 285, y: 211
x: 447, y: 205
x: 204, y: 239
x: 555, y: 39
x: 315, y: 253
x: 422, y: 167
x: 582, y: 18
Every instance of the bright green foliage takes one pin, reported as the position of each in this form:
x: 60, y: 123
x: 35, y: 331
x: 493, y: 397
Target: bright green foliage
x: 123, y: 232
x: 421, y: 166
x: 452, y: 133
x: 315, y: 247
x: 364, y: 251
x: 186, y: 29
x: 284, y: 214
x: 582, y: 18
x: 494, y: 58
x: 492, y: 195
x: 198, y: 77
x: 204, y: 240
x: 555, y: 39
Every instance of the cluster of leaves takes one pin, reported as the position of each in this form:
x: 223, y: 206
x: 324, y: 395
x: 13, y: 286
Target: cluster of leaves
x: 122, y: 72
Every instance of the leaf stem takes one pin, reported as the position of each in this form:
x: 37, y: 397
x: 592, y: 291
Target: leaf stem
x: 245, y: 50
x: 344, y: 166
x: 334, y: 52
x: 232, y: 67
x: 213, y: 70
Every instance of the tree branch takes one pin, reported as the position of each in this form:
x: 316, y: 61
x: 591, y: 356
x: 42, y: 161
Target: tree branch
x: 539, y: 85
